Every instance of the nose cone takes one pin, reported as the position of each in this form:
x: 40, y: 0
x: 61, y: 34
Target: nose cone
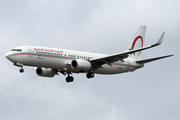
x: 7, y: 55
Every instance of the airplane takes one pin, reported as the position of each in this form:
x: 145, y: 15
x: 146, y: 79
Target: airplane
x: 48, y: 62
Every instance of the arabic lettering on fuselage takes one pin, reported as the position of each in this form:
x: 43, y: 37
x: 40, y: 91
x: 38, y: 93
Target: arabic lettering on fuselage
x: 48, y: 50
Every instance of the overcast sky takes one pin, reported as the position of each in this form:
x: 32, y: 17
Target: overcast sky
x: 102, y: 26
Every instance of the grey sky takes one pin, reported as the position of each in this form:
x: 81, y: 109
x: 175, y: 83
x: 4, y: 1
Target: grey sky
x: 102, y: 26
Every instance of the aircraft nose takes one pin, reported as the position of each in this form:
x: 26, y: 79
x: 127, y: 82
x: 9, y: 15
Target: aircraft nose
x: 7, y: 55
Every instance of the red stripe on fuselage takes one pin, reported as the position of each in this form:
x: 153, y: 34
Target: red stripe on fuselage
x: 44, y: 56
x: 72, y: 59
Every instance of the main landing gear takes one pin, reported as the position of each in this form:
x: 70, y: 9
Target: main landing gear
x: 69, y: 78
x: 90, y: 75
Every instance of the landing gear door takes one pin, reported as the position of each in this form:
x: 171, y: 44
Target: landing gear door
x: 30, y: 51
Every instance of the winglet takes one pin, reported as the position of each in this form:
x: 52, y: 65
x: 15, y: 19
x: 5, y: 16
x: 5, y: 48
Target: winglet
x: 160, y: 40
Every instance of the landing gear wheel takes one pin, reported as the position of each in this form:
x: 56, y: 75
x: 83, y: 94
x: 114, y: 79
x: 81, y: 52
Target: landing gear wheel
x: 21, y: 70
x: 69, y: 79
x: 90, y: 75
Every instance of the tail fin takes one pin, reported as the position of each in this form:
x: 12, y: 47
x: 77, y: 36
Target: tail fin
x: 137, y: 42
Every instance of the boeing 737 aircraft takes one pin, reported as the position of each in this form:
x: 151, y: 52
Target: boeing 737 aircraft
x: 50, y: 61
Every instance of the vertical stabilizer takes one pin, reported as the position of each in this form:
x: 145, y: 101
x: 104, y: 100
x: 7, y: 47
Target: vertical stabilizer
x: 137, y: 42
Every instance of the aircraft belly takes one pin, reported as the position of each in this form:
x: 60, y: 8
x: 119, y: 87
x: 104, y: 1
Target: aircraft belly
x: 48, y: 62
x: 114, y: 69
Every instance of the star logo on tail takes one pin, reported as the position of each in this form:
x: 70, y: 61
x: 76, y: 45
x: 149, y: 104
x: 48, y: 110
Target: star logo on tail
x: 132, y: 49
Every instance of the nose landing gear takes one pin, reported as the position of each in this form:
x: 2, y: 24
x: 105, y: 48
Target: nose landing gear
x: 19, y: 65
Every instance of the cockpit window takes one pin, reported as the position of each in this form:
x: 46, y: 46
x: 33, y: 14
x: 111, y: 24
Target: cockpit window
x: 16, y: 50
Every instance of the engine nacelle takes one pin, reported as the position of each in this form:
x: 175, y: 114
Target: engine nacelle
x: 81, y: 65
x: 45, y: 72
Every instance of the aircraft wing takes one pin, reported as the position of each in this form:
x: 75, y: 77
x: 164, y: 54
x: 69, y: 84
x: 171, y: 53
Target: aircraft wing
x: 97, y: 62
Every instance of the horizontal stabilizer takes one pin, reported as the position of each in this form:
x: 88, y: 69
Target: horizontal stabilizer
x: 152, y: 59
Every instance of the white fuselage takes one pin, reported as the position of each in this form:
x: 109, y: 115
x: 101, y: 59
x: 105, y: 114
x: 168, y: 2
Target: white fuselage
x: 60, y: 59
x: 51, y: 61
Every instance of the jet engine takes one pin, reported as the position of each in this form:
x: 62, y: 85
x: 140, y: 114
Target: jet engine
x: 81, y: 65
x: 45, y: 72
